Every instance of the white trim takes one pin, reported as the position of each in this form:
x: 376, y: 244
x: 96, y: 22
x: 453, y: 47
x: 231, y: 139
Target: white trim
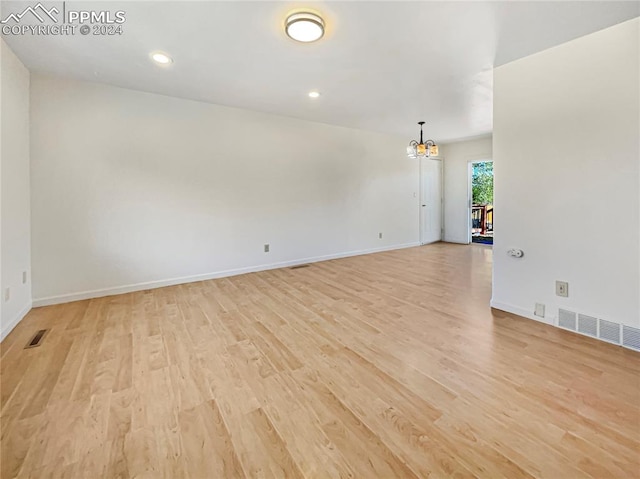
x: 454, y: 240
x: 509, y: 308
x: 8, y: 327
x: 552, y: 321
x: 98, y: 293
x: 464, y: 139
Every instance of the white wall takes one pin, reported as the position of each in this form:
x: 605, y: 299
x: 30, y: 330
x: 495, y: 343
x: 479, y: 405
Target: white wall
x: 14, y: 198
x: 567, y: 177
x: 456, y: 184
x: 130, y: 188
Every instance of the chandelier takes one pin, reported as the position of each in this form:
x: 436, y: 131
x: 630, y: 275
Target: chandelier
x: 422, y: 149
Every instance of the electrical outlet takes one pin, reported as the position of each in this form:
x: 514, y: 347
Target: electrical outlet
x: 266, y: 248
x: 379, y: 235
x: 539, y: 310
x: 24, y: 277
x: 7, y: 294
x: 562, y: 289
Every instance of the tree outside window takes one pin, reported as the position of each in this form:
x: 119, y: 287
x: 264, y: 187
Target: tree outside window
x: 482, y: 183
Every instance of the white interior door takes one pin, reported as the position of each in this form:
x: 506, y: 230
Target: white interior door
x: 430, y: 200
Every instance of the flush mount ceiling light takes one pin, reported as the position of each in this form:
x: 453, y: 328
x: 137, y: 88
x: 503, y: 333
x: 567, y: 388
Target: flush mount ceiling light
x: 161, y: 58
x: 423, y: 149
x: 314, y: 94
x: 304, y: 27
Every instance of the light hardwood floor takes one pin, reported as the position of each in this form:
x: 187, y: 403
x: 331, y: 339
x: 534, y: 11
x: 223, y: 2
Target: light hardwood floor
x: 386, y: 365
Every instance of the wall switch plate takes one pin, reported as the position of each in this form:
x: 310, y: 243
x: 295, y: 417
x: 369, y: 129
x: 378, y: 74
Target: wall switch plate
x: 24, y: 277
x: 379, y: 235
x: 539, y: 310
x: 7, y: 294
x: 562, y: 289
x: 266, y: 248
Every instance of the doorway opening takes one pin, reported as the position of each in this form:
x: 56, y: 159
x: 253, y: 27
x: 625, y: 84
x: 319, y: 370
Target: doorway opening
x: 481, y: 202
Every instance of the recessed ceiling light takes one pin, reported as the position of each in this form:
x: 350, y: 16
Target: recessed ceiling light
x: 314, y: 94
x: 161, y: 58
x: 304, y: 27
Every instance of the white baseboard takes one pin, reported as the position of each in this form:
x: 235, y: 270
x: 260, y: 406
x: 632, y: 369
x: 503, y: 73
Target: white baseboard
x: 553, y: 321
x: 12, y: 323
x: 509, y: 308
x: 455, y: 240
x: 98, y: 293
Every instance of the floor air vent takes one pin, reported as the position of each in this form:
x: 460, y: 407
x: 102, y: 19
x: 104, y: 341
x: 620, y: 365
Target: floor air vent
x: 300, y: 266
x: 588, y: 325
x: 37, y: 339
x: 609, y: 331
x: 567, y: 319
x: 631, y: 337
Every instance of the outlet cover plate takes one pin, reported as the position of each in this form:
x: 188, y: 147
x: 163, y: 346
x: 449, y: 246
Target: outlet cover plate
x: 539, y: 311
x: 562, y: 289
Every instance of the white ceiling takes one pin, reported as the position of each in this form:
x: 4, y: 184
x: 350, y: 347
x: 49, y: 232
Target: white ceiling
x: 381, y: 66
